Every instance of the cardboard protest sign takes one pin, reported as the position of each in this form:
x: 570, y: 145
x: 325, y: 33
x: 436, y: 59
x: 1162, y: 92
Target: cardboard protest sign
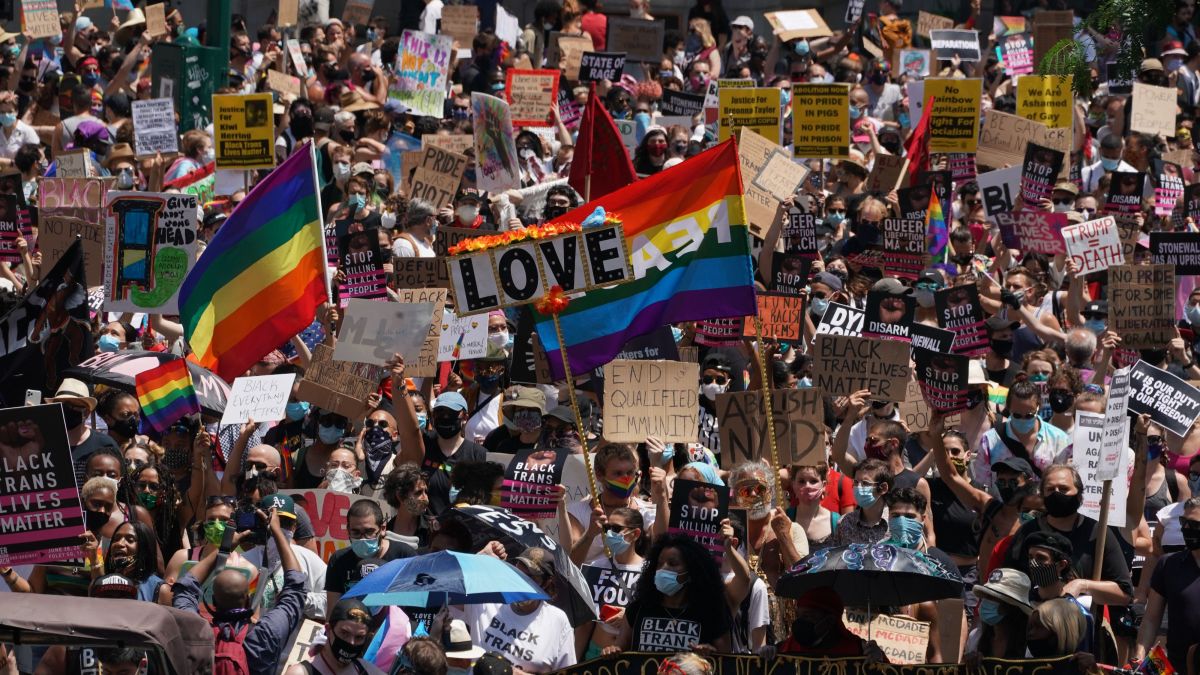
x: 650, y: 398
x: 842, y: 320
x: 1116, y: 427
x: 843, y: 365
x: 799, y: 426
x: 1002, y: 140
x: 886, y: 174
x: 460, y: 22
x: 947, y: 44
x: 459, y: 143
x: 716, y: 332
x: 1168, y: 188
x: 361, y: 263
x: 902, y: 640
x: 889, y: 316
x: 915, y: 412
x: 357, y: 11
x: 1034, y: 231
x: 372, y: 331
x: 598, y: 66
x: 75, y: 164
x: 954, y: 115
x: 638, y: 39
x: 151, y: 246
x: 697, y: 510
x: 531, y: 480
x: 1180, y: 250
x: 154, y: 127
x: 780, y: 176
x: 287, y: 13
x: 1141, y: 305
x: 438, y: 176
x: 327, y: 509
x: 462, y: 337
x: 1039, y: 173
x: 789, y: 273
x: 496, y: 165
x: 244, y: 126
x: 914, y: 63
x: 943, y: 378
x: 1172, y: 403
x: 756, y: 108
x: 1094, y: 245
x: 425, y: 365
x: 337, y: 385
x: 1016, y: 52
x: 753, y: 153
x: 1046, y: 99
x: 421, y: 72
x: 289, y: 87
x: 522, y: 272
x: 70, y: 208
x: 262, y: 398
x: 959, y: 310
x: 566, y: 51
x: 1124, y: 193
x: 797, y: 23
x: 681, y: 103
x: 531, y: 94
x: 41, y: 517
x: 821, y: 120
x: 927, y: 22
x: 39, y: 18
x: 1087, y: 439
x: 780, y: 315
x: 1153, y: 109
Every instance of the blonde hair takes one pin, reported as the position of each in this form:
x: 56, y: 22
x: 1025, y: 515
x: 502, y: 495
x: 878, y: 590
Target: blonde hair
x: 96, y: 484
x: 1066, y: 621
x: 702, y: 27
x: 689, y: 663
x: 8, y: 97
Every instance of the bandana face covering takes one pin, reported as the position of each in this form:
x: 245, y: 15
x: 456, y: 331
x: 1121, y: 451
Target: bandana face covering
x: 621, y: 487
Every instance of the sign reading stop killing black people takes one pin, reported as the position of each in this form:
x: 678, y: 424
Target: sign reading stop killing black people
x: 959, y: 310
x: 1172, y: 403
x: 361, y: 264
x: 789, y: 273
x: 531, y: 480
x: 943, y: 379
x: 697, y: 510
x: 1039, y: 172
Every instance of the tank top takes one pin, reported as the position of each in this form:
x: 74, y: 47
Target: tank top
x: 952, y: 521
x: 1160, y: 498
x: 906, y: 479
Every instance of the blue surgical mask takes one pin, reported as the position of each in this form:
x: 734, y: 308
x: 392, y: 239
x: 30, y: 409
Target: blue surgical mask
x: 616, y: 542
x: 422, y: 419
x: 296, y: 410
x: 667, y: 582
x: 802, y: 48
x: 486, y: 382
x: 906, y: 532
x: 804, y: 383
x: 454, y: 494
x: 668, y: 454
x: 835, y: 219
x: 329, y: 435
x: 356, y: 201
x: 1110, y: 164
x: 1192, y: 312
x: 903, y: 120
x: 109, y: 343
x: 365, y: 548
x: 1039, y: 377
x: 865, y: 496
x: 8, y: 119
x: 1097, y: 326
x: 785, y: 97
x: 855, y: 112
x: 989, y: 612
x: 1022, y: 427
x: 370, y: 35
x: 818, y: 306
x: 676, y: 334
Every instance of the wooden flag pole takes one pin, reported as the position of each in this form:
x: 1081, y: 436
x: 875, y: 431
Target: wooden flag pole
x: 769, y: 410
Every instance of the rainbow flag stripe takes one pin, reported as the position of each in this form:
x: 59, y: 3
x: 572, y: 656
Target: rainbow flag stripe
x: 262, y: 277
x: 935, y: 225
x: 166, y: 394
x: 685, y: 230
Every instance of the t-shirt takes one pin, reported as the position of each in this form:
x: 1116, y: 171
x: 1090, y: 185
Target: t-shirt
x: 1177, y: 578
x: 437, y: 467
x: 581, y: 512
x: 504, y: 441
x: 539, y: 642
x: 344, y: 569
x: 485, y: 417
x: 660, y: 629
x: 1083, y: 544
x: 82, y: 452
x: 402, y: 247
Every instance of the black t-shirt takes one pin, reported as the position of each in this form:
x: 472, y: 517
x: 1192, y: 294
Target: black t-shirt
x: 437, y: 467
x: 953, y: 522
x: 1083, y: 543
x: 657, y: 629
x: 502, y: 440
x: 344, y: 568
x: 82, y: 452
x: 1177, y: 578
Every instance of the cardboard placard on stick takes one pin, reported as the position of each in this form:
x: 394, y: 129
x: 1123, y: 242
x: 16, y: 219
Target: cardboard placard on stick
x: 780, y: 176
x: 753, y: 153
x: 1096, y: 244
x: 262, y: 398
x: 1087, y: 440
x: 460, y: 22
x: 156, y: 19
x: 566, y: 51
x: 843, y: 364
x: 358, y: 12
x: 798, y: 23
x: 887, y: 173
x: 39, y: 18
x: 639, y: 39
x: 1141, y: 305
x: 650, y: 398
x: 287, y: 13
x: 927, y: 21
x: 799, y: 426
x: 438, y: 176
x: 1002, y: 140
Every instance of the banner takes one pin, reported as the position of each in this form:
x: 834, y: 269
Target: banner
x: 740, y: 664
x: 697, y: 510
x: 152, y: 244
x: 1033, y: 231
x: 1141, y: 305
x: 599, y: 66
x: 799, y: 416
x: 1095, y: 245
x: 1086, y: 440
x: 154, y: 127
x: 1046, y: 99
x: 327, y: 510
x: 421, y: 73
x: 531, y: 480
x: 651, y: 398
x: 954, y: 116
x: 360, y: 262
x: 959, y: 310
x: 496, y: 166
x: 1181, y: 250
x: 1172, y: 403
x: 262, y: 398
x: 244, y: 126
x: 756, y: 108
x: 372, y: 331
x: 821, y: 120
x: 843, y: 365
x: 530, y: 95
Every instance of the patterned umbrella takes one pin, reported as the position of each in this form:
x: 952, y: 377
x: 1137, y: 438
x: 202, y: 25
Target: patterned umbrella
x: 866, y: 575
x: 118, y: 369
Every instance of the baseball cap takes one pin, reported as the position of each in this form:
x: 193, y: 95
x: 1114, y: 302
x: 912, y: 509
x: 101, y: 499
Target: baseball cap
x: 1008, y: 586
x: 1174, y: 48
x: 930, y: 276
x: 492, y: 664
x: 997, y: 322
x: 1017, y: 464
x: 891, y: 286
x: 828, y: 279
x: 350, y: 609
x: 526, y: 397
x: 1149, y: 65
x: 284, y: 503
x: 743, y: 20
x: 361, y: 168
x: 114, y: 586
x: 1051, y: 541
x: 452, y: 400
x: 1095, y: 307
x: 1066, y: 186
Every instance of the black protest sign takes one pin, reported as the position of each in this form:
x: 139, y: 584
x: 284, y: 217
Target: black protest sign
x: 360, y: 263
x: 888, y: 315
x: 740, y: 664
x: 1124, y: 193
x: 959, y: 310
x: 1168, y: 188
x: 799, y: 426
x: 1039, y: 172
x: 41, y: 517
x: 10, y: 229
x: 1117, y: 86
x: 1141, y: 305
x: 597, y: 66
x: 914, y: 201
x: 800, y: 230
x: 1191, y: 202
x: 530, y: 482
x: 609, y: 586
x: 843, y: 365
x: 943, y: 379
x: 1172, y: 403
x: 697, y: 510
x: 842, y: 320
x: 947, y: 44
x: 789, y: 273
x: 716, y: 332
x: 1181, y: 250
x: 934, y: 339
x: 678, y: 103
x: 903, y: 253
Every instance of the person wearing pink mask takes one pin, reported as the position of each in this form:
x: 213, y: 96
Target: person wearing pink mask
x: 808, y: 486
x: 651, y: 153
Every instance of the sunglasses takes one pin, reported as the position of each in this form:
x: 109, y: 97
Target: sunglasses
x: 371, y: 424
x: 1023, y: 416
x: 143, y: 485
x: 709, y: 379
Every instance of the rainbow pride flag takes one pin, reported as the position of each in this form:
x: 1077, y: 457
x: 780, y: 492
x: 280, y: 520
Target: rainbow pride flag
x: 689, y: 247
x: 935, y: 225
x: 262, y: 276
x: 166, y: 394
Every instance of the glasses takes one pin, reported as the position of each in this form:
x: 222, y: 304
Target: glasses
x: 259, y: 466
x: 1154, y: 440
x: 1023, y: 416
x: 364, y: 534
x: 371, y: 424
x: 613, y: 527
x: 719, y: 379
x: 866, y: 484
x: 491, y: 369
x: 145, y: 485
x: 1064, y: 202
x: 332, y: 421
x: 974, y: 202
x: 214, y: 500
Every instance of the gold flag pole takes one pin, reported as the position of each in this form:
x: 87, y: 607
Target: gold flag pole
x: 770, y: 412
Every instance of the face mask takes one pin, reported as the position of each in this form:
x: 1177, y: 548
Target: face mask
x: 345, y: 652
x: 676, y: 334
x: 296, y: 410
x: 1110, y: 164
x: 552, y: 212
x: 1043, y: 648
x: 1042, y: 575
x: 498, y: 340
x: 1061, y: 505
x: 356, y: 201
x: 808, y: 633
x: 1022, y: 427
x: 422, y: 419
x: 905, y: 531
x: 711, y: 390
x: 1002, y: 347
x: 855, y: 112
x: 668, y: 454
x: 804, y: 383
x: 974, y: 398
x: 387, y: 220
x: 461, y: 113
x: 108, y: 343
x: 94, y: 520
x: 1027, y: 516
x: 835, y: 219
x: 90, y: 79
x: 214, y: 532
x: 341, y: 480
x: 960, y: 465
x: 1008, y: 491
x: 667, y: 582
x: 865, y: 496
x: 990, y: 613
x: 616, y: 542
x: 924, y: 297
x: 365, y: 548
x: 8, y: 119
x: 548, y: 26
x: 1097, y: 326
x: 467, y: 214
x: 1061, y: 402
x: 454, y: 494
x: 415, y: 506
x: 447, y: 427
x: 902, y: 119
x: 1153, y: 450
x: 73, y: 416
x: 527, y: 421
x: 1191, y: 537
x: 877, y: 79
x: 328, y: 434
x: 1192, y: 312
x: 148, y: 499
x: 341, y: 170
x: 1153, y: 356
x: 785, y: 97
x: 809, y: 493
x: 621, y: 487
x: 876, y: 450
x: 1194, y: 484
x: 1039, y: 377
x: 819, y: 305
x: 126, y: 427
x: 487, y: 382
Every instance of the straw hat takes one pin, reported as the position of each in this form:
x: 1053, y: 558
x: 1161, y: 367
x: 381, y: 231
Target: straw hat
x: 353, y: 101
x: 133, y: 19
x: 119, y: 151
x: 73, y: 391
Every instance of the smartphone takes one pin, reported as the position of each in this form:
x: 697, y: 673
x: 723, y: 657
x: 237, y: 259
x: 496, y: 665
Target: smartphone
x: 33, y: 397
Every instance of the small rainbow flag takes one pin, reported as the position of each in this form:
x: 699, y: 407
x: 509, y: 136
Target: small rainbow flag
x: 935, y: 225
x: 166, y: 394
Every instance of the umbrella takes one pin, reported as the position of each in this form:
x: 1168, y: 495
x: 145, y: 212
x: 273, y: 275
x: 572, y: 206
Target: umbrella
x: 118, y: 369
x: 445, y: 578
x: 872, y: 574
x: 488, y: 523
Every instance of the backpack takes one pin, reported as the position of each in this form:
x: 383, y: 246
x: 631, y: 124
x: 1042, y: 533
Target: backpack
x: 229, y: 657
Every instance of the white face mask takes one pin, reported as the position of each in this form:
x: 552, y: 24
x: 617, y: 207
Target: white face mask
x: 341, y: 170
x: 467, y: 214
x: 387, y: 220
x: 710, y: 391
x: 341, y: 480
x: 498, y: 340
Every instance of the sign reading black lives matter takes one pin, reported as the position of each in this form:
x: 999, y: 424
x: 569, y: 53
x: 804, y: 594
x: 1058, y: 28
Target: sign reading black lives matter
x: 1172, y: 403
x: 697, y: 510
x: 41, y: 517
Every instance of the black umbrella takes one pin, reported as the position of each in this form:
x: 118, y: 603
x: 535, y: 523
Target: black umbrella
x: 866, y: 575
x: 487, y: 523
x: 118, y: 369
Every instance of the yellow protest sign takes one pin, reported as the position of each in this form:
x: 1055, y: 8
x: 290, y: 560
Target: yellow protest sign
x: 245, y: 131
x: 1046, y: 99
x: 821, y: 120
x: 755, y: 108
x: 954, y: 115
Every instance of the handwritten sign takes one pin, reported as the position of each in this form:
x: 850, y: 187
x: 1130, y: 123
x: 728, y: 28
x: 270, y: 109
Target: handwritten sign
x: 531, y: 94
x: 799, y: 426
x: 262, y: 398
x: 154, y: 127
x: 639, y: 39
x: 797, y: 23
x: 460, y: 22
x: 1141, y: 304
x: 339, y: 386
x: 462, y: 337
x: 1094, y: 245
x: 902, y: 640
x: 1153, y: 109
x: 650, y: 398
x: 927, y: 22
x: 780, y: 176
x: 1002, y: 139
x: 438, y: 176
x: 372, y: 331
x: 151, y: 245
x: 566, y: 51
x: 843, y: 364
x: 420, y: 81
x: 39, y: 18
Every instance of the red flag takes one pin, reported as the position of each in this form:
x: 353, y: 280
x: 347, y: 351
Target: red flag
x: 599, y: 154
x: 917, y: 148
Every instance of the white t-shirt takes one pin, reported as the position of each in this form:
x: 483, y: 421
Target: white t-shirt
x: 12, y: 139
x: 403, y: 248
x: 757, y: 615
x: 581, y: 513
x: 484, y: 421
x: 430, y: 16
x: 540, y: 642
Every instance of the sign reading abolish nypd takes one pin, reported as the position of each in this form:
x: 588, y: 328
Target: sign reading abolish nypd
x: 522, y: 272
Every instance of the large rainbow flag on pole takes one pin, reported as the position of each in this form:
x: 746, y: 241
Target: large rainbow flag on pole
x: 689, y: 247
x: 166, y: 393
x: 262, y: 277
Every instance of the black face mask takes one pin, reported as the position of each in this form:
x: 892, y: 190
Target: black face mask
x: 1061, y: 505
x: 94, y: 520
x: 73, y: 416
x: 552, y: 212
x: 1061, y: 402
x: 345, y: 652
x: 126, y: 427
x: 1191, y: 537
x: 807, y: 632
x: 1009, y: 491
x: 346, y: 135
x: 1153, y: 356
x: 447, y: 427
x: 302, y: 126
x: 974, y: 398
x: 1042, y: 575
x: 1043, y: 648
x: 1002, y: 347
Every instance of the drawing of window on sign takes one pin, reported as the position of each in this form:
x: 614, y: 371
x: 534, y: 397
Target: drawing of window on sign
x: 152, y: 243
x: 138, y: 217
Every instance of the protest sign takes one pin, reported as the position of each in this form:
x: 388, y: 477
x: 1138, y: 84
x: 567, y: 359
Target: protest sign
x: 262, y: 398
x: 1172, y: 403
x: 799, y: 426
x: 797, y: 23
x: 75, y: 164
x: 1116, y: 427
x: 361, y: 261
x: 800, y: 231
x: 943, y: 378
x: 41, y: 517
x: 10, y: 229
x: 933, y: 339
x: 531, y: 482
x: 567, y: 51
x: 927, y: 22
x: 1002, y: 140
x: 39, y: 18
x: 914, y: 63
x: 70, y: 208
x: 650, y: 398
x: 954, y: 115
x: 780, y: 176
x: 959, y: 310
x: 948, y: 43
x: 697, y: 510
x: 154, y: 127
x: 962, y: 166
x: 681, y: 103
x: 889, y: 316
x: 780, y: 315
x: 756, y: 108
x: 1168, y: 187
x: 289, y: 87
x: 1191, y: 202
x: 461, y: 23
x: 420, y: 273
x: 843, y: 365
x: 598, y: 66
x: 1125, y: 193
x: 438, y: 176
x: 1141, y: 305
x: 1039, y: 173
x: 1046, y: 99
x: 462, y: 337
x: 611, y: 587
x: 1033, y: 231
x: 789, y: 273
x: 915, y: 412
x: 903, y: 251
x: 287, y: 13
x: 638, y: 39
x: 887, y: 173
x: 1017, y: 54
x: 327, y: 510
x: 753, y: 153
x: 1048, y: 28
x: 244, y: 125
x: 522, y: 272
x: 420, y: 79
x: 151, y: 245
x: 1086, y: 441
x: 854, y: 10
x: 1181, y: 250
x: 842, y: 320
x: 1094, y: 245
x: 310, y: 632
x: 902, y: 640
x: 531, y: 94
x: 372, y: 331
x: 425, y: 365
x: 357, y: 11
x: 459, y: 143
x: 1153, y: 109
x: 716, y: 332
x: 495, y: 151
x: 336, y: 385
x: 821, y: 120
x: 156, y: 19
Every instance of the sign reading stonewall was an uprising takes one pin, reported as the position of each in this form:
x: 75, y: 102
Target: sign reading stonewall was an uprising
x: 151, y: 246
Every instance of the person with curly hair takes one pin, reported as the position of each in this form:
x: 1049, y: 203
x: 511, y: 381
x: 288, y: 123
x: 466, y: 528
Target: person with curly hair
x: 155, y: 492
x: 407, y: 492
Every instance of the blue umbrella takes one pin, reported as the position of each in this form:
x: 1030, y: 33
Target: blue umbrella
x: 445, y: 578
